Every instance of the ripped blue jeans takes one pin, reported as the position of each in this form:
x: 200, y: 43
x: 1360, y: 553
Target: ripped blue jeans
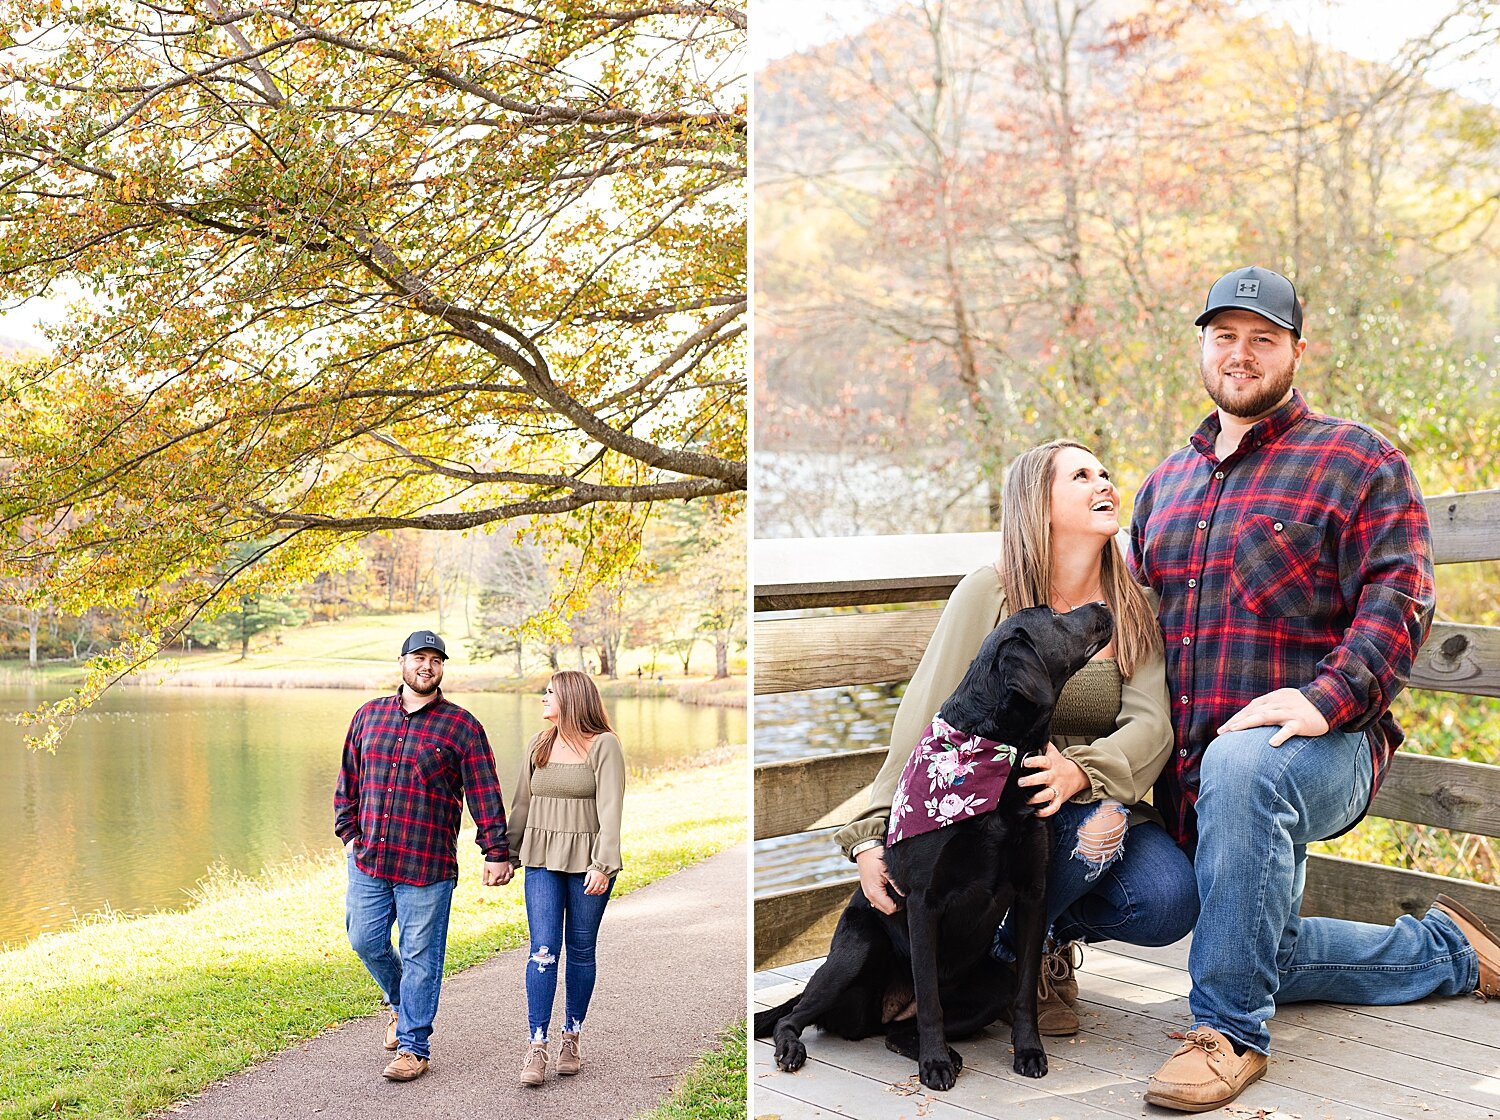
x: 560, y: 916
x: 1144, y: 894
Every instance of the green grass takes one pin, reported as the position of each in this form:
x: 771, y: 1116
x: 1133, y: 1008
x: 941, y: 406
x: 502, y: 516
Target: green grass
x: 123, y: 1016
x: 714, y: 1089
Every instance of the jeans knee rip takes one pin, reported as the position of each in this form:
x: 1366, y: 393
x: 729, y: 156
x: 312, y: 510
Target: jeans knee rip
x: 543, y: 957
x: 1101, y: 841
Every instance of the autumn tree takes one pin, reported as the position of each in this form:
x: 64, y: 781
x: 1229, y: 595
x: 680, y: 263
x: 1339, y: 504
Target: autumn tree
x: 515, y: 590
x: 351, y: 267
x: 247, y: 616
x: 982, y: 225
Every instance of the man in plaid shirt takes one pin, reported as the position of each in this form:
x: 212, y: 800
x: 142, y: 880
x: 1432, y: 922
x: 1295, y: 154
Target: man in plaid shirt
x: 1293, y: 559
x: 409, y: 760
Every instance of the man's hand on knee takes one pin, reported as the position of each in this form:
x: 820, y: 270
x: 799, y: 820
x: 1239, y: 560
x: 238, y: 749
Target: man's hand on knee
x: 1287, y: 707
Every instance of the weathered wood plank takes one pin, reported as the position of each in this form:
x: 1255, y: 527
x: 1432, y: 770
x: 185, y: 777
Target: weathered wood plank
x: 807, y: 793
x: 833, y: 571
x: 797, y: 924
x: 828, y: 790
x: 1364, y: 892
x: 1458, y: 657
x: 1465, y: 527
x: 1445, y: 792
x: 1326, y: 1060
x: 822, y: 571
x: 792, y: 654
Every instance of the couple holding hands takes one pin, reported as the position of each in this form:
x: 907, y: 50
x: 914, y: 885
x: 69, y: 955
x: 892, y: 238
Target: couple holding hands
x: 409, y: 761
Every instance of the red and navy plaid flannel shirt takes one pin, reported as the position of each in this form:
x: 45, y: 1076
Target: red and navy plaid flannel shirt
x: 1303, y: 560
x: 400, y: 790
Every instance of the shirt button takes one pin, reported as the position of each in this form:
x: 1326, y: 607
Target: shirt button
x: 1277, y: 526
x: 1182, y: 753
x: 1187, y: 640
x: 1203, y: 524
x: 1184, y: 699
x: 1192, y: 583
x: 1218, y: 474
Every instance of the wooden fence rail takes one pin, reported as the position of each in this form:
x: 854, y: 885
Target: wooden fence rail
x: 820, y: 651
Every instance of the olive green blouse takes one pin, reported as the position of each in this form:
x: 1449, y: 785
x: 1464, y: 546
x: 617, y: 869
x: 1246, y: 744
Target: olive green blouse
x: 1118, y: 731
x: 565, y: 816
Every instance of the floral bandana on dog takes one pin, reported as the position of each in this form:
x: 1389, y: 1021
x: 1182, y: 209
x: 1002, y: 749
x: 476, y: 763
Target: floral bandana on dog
x: 950, y: 777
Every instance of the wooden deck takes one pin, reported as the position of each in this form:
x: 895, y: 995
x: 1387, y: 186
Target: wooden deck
x: 1438, y: 1059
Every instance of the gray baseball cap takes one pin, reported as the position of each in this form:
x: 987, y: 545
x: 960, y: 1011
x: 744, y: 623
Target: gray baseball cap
x: 1269, y: 294
x: 424, y: 639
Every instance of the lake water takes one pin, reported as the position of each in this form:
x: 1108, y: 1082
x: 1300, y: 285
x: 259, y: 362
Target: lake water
x: 819, y: 721
x: 155, y: 787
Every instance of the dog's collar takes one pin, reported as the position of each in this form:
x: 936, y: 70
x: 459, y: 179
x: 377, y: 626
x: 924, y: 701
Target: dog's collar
x: 951, y: 776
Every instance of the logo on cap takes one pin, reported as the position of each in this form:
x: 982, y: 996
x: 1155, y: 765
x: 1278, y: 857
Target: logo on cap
x: 1250, y: 289
x: 424, y: 639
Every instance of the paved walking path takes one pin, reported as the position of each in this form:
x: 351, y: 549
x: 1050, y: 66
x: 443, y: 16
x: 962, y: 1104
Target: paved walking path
x: 672, y: 975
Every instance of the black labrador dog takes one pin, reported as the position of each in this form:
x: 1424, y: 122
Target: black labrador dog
x: 959, y: 881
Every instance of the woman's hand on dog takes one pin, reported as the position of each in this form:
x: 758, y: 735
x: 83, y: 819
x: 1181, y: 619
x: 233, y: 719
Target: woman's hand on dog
x: 883, y: 894
x: 1059, y: 778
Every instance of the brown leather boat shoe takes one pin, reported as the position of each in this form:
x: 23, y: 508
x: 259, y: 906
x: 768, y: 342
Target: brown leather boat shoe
x: 1204, y: 1073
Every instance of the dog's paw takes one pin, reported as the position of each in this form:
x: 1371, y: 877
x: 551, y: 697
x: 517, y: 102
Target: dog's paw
x: 791, y: 1055
x: 1031, y: 1063
x: 942, y: 1074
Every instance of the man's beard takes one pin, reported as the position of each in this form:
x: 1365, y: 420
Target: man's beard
x: 415, y: 684
x: 1267, y: 393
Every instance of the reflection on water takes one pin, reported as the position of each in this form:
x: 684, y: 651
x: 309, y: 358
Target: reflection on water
x: 821, y: 721
x: 156, y: 786
x: 824, y: 720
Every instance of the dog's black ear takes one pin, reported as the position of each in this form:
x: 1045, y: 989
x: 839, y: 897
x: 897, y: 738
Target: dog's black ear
x: 1026, y: 680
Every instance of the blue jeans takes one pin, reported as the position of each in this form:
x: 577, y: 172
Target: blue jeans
x: 559, y: 913
x: 1146, y: 896
x: 1259, y: 807
x: 409, y: 982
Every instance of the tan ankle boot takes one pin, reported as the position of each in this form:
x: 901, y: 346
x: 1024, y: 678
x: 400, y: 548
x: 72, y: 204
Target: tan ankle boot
x: 1057, y: 990
x: 534, y: 1071
x: 569, y: 1057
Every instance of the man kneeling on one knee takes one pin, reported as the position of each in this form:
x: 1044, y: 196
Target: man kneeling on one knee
x: 1293, y: 559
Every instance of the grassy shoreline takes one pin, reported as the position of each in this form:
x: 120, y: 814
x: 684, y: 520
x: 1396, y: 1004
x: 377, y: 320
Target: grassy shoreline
x: 120, y: 1017
x: 375, y: 676
x: 360, y: 653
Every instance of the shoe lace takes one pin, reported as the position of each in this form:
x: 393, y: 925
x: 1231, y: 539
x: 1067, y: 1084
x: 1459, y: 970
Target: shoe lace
x: 569, y: 1047
x: 1058, y: 964
x: 1205, y: 1041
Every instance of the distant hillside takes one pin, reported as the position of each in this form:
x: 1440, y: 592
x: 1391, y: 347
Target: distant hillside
x: 981, y: 224
x: 15, y: 347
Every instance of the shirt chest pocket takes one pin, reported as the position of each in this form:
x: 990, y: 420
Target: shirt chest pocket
x: 1276, y: 566
x: 434, y: 766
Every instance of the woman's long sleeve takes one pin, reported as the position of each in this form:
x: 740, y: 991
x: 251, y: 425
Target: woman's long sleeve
x: 609, y: 802
x: 520, y: 806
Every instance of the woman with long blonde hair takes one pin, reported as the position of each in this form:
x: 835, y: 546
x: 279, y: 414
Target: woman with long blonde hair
x: 565, y: 830
x: 1114, y: 873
